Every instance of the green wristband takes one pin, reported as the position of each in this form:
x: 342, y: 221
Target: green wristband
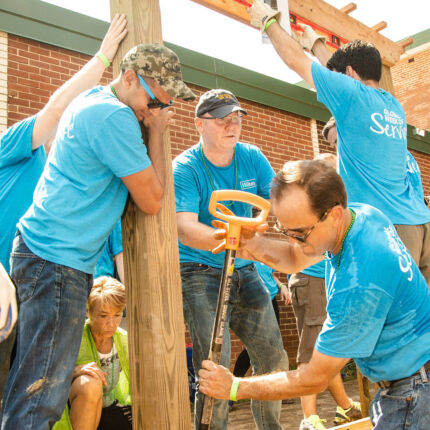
x: 269, y: 23
x: 234, y: 388
x: 104, y: 59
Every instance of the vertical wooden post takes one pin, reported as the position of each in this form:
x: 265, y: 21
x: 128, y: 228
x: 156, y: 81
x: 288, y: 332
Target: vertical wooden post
x: 386, y: 81
x: 158, y: 371
x: 365, y: 397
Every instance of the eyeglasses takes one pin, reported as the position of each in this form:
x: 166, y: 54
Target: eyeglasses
x: 154, y: 103
x: 226, y: 121
x: 301, y: 237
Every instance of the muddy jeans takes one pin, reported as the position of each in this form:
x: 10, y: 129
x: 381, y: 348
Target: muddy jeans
x: 250, y: 315
x: 52, y: 303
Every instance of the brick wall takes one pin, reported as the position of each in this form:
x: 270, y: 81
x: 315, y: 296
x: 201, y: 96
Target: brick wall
x: 35, y: 70
x: 411, y: 78
x: 3, y: 81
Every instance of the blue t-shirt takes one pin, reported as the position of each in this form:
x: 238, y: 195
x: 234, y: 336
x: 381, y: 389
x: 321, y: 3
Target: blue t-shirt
x: 414, y: 175
x: 113, y: 247
x: 316, y: 270
x: 80, y: 195
x: 20, y: 169
x: 193, y: 190
x: 377, y: 301
x: 371, y: 129
x: 266, y: 275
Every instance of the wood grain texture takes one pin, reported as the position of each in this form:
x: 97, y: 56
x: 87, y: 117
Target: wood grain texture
x: 159, y: 383
x: 365, y: 398
x: 364, y: 424
x: 386, y: 81
x: 324, y: 15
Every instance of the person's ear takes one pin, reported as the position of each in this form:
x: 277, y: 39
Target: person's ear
x: 129, y: 78
x: 198, y: 122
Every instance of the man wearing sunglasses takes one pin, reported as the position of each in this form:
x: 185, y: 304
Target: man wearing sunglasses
x: 97, y: 158
x: 220, y: 161
x: 381, y: 321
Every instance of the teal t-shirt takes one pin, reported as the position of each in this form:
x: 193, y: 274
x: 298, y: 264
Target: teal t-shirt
x: 80, y: 195
x: 372, y: 148
x: 113, y: 247
x: 414, y: 175
x: 193, y: 190
x: 20, y: 169
x: 377, y: 301
x: 266, y: 275
x: 316, y: 270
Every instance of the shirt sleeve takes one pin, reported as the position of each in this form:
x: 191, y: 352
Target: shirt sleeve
x: 119, y: 144
x: 15, y: 142
x: 334, y: 89
x: 187, y: 196
x: 355, y: 318
x: 265, y: 175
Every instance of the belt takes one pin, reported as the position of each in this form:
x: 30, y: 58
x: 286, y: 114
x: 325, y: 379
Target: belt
x: 422, y: 370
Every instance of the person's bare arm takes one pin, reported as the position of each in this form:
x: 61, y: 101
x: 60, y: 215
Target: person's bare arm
x: 147, y: 186
x: 193, y: 233
x: 215, y: 380
x: 119, y: 264
x: 48, y: 118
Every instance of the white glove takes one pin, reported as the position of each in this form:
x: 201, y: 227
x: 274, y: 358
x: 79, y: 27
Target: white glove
x: 308, y: 38
x: 8, y: 307
x: 261, y: 13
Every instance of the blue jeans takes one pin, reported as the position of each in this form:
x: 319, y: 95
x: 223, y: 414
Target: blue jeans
x: 250, y: 315
x: 405, y: 405
x: 52, y: 305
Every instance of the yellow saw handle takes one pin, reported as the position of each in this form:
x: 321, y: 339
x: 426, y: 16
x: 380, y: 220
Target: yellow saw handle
x: 235, y: 223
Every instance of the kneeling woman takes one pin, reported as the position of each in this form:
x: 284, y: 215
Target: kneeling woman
x: 100, y: 392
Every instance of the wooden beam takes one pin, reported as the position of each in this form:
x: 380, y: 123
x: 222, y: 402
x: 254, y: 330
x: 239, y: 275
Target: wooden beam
x: 326, y: 16
x: 159, y: 385
x: 364, y: 424
x: 348, y: 8
x: 380, y: 26
x: 406, y: 42
x: 363, y: 388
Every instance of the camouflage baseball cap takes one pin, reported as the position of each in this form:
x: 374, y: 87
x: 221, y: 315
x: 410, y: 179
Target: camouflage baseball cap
x: 218, y: 103
x: 156, y: 61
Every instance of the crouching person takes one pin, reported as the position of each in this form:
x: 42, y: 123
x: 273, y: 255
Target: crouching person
x: 100, y: 393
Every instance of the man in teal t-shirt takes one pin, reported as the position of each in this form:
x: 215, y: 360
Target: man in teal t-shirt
x: 98, y: 156
x: 371, y: 127
x: 218, y: 162
x: 377, y: 300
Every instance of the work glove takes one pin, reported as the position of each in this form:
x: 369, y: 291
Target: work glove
x: 308, y: 38
x: 261, y: 13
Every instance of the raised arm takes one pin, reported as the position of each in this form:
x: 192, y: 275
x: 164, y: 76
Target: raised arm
x: 287, y: 48
x: 48, y: 118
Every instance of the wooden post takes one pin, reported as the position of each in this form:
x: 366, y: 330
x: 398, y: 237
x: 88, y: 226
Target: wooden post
x: 363, y: 388
x: 159, y: 387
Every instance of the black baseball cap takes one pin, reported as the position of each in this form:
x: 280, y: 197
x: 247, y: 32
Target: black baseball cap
x: 218, y: 103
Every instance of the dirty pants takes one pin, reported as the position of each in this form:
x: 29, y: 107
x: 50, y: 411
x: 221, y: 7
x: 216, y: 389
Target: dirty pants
x: 52, y: 304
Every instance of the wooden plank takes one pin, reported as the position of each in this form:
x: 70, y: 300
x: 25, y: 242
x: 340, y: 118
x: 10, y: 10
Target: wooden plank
x: 386, y: 81
x: 406, y: 42
x: 363, y: 424
x: 326, y: 16
x: 380, y: 26
x: 158, y: 370
x: 348, y: 8
x: 365, y: 398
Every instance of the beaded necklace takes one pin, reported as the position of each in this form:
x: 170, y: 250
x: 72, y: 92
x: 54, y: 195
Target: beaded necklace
x: 209, y: 175
x: 344, y: 237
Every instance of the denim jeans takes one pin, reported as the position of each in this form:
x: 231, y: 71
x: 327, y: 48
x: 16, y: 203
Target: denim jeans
x: 405, y: 405
x: 52, y: 304
x: 250, y: 315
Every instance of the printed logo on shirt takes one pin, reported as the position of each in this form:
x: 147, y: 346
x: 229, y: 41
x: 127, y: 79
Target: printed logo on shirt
x: 411, y: 165
x: 248, y: 183
x: 388, y: 123
x: 396, y: 244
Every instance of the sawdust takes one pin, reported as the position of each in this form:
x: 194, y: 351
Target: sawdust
x: 36, y: 386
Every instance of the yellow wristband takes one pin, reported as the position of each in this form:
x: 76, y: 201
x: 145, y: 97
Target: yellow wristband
x: 269, y: 23
x: 104, y: 59
x: 234, y: 388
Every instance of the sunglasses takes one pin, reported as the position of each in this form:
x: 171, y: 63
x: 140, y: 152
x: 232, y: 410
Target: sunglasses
x: 154, y: 103
x: 226, y: 121
x: 301, y: 237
